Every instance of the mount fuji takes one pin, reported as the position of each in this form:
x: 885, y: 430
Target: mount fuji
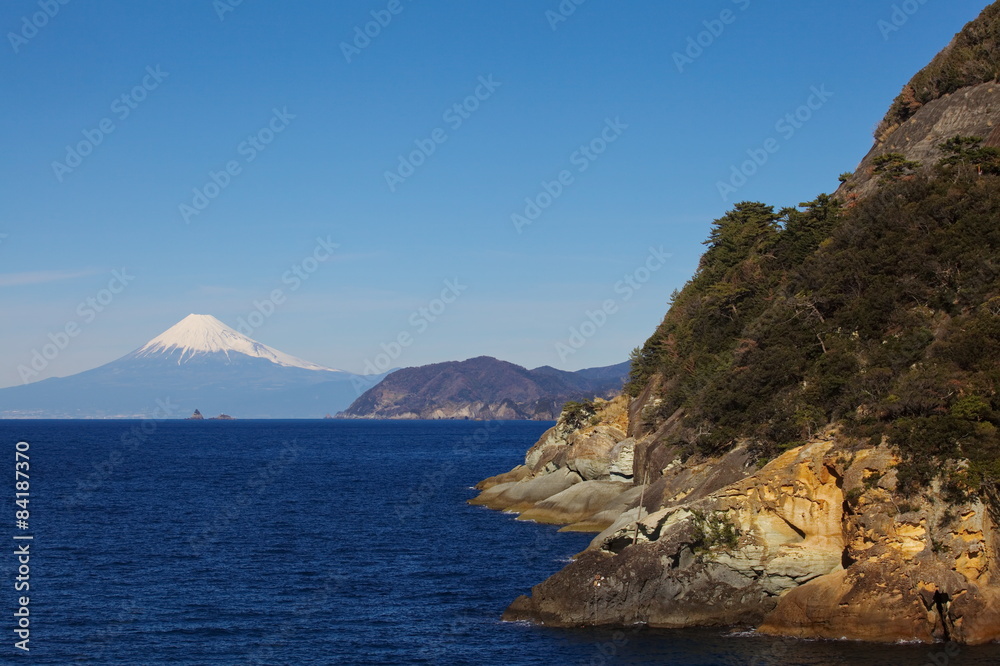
x: 199, y: 363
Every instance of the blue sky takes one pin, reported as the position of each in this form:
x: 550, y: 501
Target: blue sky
x: 206, y: 88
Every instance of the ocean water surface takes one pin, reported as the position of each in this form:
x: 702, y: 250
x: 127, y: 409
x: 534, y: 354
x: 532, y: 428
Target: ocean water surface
x: 312, y: 542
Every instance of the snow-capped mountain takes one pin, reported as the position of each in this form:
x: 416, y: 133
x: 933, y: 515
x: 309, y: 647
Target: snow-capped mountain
x: 199, y: 363
x: 197, y: 335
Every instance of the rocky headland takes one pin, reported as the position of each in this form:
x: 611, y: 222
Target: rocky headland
x: 483, y: 388
x: 808, y: 444
x: 816, y: 543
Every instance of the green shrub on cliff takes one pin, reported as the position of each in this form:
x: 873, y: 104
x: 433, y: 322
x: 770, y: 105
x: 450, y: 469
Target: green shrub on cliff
x: 713, y: 532
x: 968, y: 153
x: 578, y: 414
x: 893, y: 166
x: 883, y: 316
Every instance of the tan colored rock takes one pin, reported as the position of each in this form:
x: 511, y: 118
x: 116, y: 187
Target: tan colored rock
x: 621, y: 459
x: 609, y: 514
x: 519, y: 473
x: 824, y: 546
x: 589, y: 453
x: 622, y: 526
x: 551, y: 441
x: 614, y: 413
x: 523, y: 495
x: 576, y: 503
x: 696, y: 479
x: 829, y: 607
x: 920, y: 575
x: 491, y: 498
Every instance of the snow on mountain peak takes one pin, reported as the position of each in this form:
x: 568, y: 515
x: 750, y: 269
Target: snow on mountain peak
x: 204, y: 334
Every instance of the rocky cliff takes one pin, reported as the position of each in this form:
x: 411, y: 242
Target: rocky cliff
x: 483, y: 388
x: 957, y: 94
x: 809, y: 442
x: 817, y: 543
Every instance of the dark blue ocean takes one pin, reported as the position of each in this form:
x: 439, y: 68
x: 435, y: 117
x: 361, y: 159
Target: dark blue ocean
x: 310, y: 542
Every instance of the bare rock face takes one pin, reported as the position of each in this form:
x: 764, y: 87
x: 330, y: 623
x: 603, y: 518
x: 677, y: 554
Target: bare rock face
x: 918, y: 569
x: 649, y: 585
x: 577, y: 503
x: 617, y: 511
x: 519, y: 473
x: 589, y: 454
x: 972, y: 111
x: 622, y: 460
x: 522, y: 495
x: 816, y: 544
x: 956, y: 94
x: 723, y: 559
x: 566, y: 478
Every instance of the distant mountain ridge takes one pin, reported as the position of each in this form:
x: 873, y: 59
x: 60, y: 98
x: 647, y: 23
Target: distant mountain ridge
x: 483, y: 388
x: 199, y: 363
